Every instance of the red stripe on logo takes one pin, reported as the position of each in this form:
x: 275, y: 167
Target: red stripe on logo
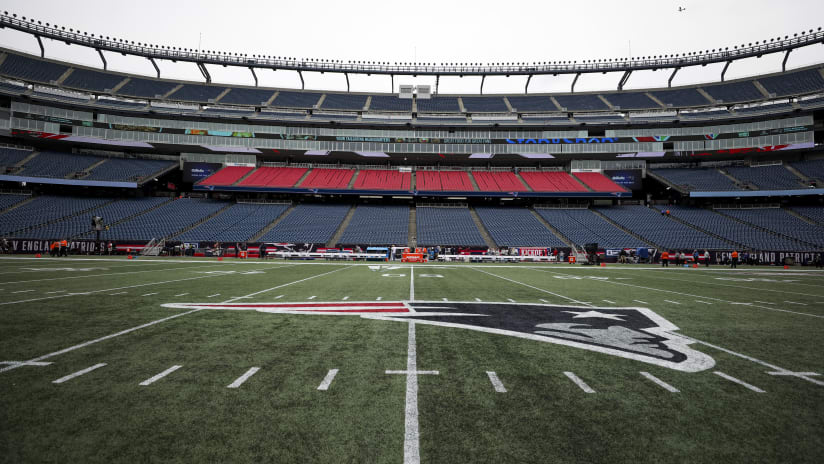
x: 302, y: 305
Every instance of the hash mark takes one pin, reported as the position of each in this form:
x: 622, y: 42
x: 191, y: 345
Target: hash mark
x: 330, y: 376
x: 581, y: 384
x: 312, y: 297
x: 740, y: 382
x: 79, y: 373
x: 496, y: 382
x: 660, y: 382
x: 673, y: 302
x: 157, y: 377
x: 237, y: 383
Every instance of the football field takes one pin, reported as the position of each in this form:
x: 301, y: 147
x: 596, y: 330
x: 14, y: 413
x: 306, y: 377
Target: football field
x: 196, y: 360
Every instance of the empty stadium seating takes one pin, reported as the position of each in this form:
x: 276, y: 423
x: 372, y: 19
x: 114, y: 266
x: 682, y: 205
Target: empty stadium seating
x: 660, y: 230
x: 43, y: 209
x: 86, y: 79
x: 484, y: 104
x: 389, y: 103
x: 552, y: 181
x: 681, y: 97
x: 378, y: 225
x: 80, y: 225
x: 439, y: 105
x: 11, y: 156
x: 582, y: 226
x: 31, y: 69
x: 443, y: 181
x: 598, y: 182
x: 127, y: 169
x: 697, y: 179
x: 498, y: 181
x: 513, y: 227
x: 632, y: 101
x: 447, y: 226
x: 242, y: 96
x: 9, y: 200
x: 328, y: 179
x: 296, y: 99
x: 816, y: 213
x: 238, y: 223
x: 772, y: 177
x: 374, y: 179
x: 794, y: 83
x: 308, y: 223
x: 164, y: 221
x: 810, y: 168
x: 734, y: 92
x: 57, y: 165
x: 274, y: 177
x: 227, y: 176
x: 146, y: 88
x: 779, y: 220
x: 338, y: 101
x: 529, y: 103
x: 581, y: 102
x: 197, y: 93
x: 731, y: 230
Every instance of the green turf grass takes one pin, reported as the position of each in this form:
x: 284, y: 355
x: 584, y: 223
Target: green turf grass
x: 278, y: 415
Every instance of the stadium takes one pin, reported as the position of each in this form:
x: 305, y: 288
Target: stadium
x: 427, y: 269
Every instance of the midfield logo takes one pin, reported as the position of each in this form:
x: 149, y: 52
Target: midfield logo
x: 632, y: 333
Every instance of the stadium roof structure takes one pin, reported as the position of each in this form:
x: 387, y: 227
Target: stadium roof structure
x: 300, y: 65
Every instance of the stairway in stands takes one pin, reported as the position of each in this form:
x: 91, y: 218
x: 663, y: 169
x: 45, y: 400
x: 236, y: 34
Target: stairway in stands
x: 482, y: 229
x: 272, y: 224
x: 342, y: 227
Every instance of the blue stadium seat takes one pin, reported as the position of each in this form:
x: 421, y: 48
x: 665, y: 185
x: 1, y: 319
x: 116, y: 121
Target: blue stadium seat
x: 57, y: 165
x: 734, y: 92
x: 308, y: 223
x: 342, y: 101
x: 86, y: 79
x: 515, y: 227
x: 243, y: 96
x: 80, y: 225
x: 439, y: 105
x: 44, y: 209
x: 532, y: 103
x: 780, y: 221
x: 484, y: 105
x: 581, y: 103
x: 664, y: 231
x: 164, y: 221
x: 146, y: 88
x: 681, y: 97
x: 11, y: 156
x: 698, y: 179
x: 124, y: 169
x: 631, y: 101
x: 794, y: 83
x: 389, y: 103
x: 238, y: 223
x: 582, y: 226
x: 767, y: 177
x: 296, y: 99
x: 29, y: 69
x: 197, y: 93
x: 378, y: 225
x: 447, y: 226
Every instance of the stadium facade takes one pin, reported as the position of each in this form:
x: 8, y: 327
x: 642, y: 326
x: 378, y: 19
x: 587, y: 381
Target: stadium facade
x: 729, y: 165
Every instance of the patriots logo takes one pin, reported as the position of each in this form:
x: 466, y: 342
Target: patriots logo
x: 633, y: 333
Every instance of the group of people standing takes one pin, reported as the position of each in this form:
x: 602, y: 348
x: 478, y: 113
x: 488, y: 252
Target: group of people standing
x: 680, y: 258
x: 59, y: 248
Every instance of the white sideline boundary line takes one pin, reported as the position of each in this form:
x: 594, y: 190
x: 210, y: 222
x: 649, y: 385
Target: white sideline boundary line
x: 661, y: 383
x: 496, y: 382
x: 78, y: 373
x: 243, y: 378
x: 148, y: 324
x: 154, y: 379
x: 739, y: 382
x: 411, y: 442
x: 581, y: 384
x: 330, y: 376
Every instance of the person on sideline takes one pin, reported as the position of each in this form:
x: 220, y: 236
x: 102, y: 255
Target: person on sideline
x: 734, y: 259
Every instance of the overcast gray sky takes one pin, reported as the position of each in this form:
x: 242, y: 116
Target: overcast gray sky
x: 431, y: 31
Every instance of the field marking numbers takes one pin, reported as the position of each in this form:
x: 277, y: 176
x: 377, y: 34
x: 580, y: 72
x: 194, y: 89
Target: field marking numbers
x: 330, y: 376
x: 243, y: 378
x: 740, y: 382
x: 154, y: 379
x: 581, y: 384
x: 78, y: 373
x: 661, y: 383
x: 673, y: 302
x: 496, y: 382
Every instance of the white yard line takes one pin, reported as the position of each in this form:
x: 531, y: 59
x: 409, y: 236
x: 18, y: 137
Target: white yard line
x: 284, y: 285
x: 411, y: 444
x: 212, y: 296
x: 330, y: 376
x: 123, y: 332
x: 673, y: 302
x: 159, y: 376
x: 608, y: 301
x: 660, y: 383
x: 23, y: 291
x: 412, y: 283
x: 243, y: 378
x: 703, y: 302
x: 118, y: 293
x: 181, y: 294
x: 581, y: 384
x: 639, y: 301
x: 739, y: 382
x: 79, y: 373
x: 149, y: 294
x: 496, y: 382
x: 682, y: 294
x: 532, y: 287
